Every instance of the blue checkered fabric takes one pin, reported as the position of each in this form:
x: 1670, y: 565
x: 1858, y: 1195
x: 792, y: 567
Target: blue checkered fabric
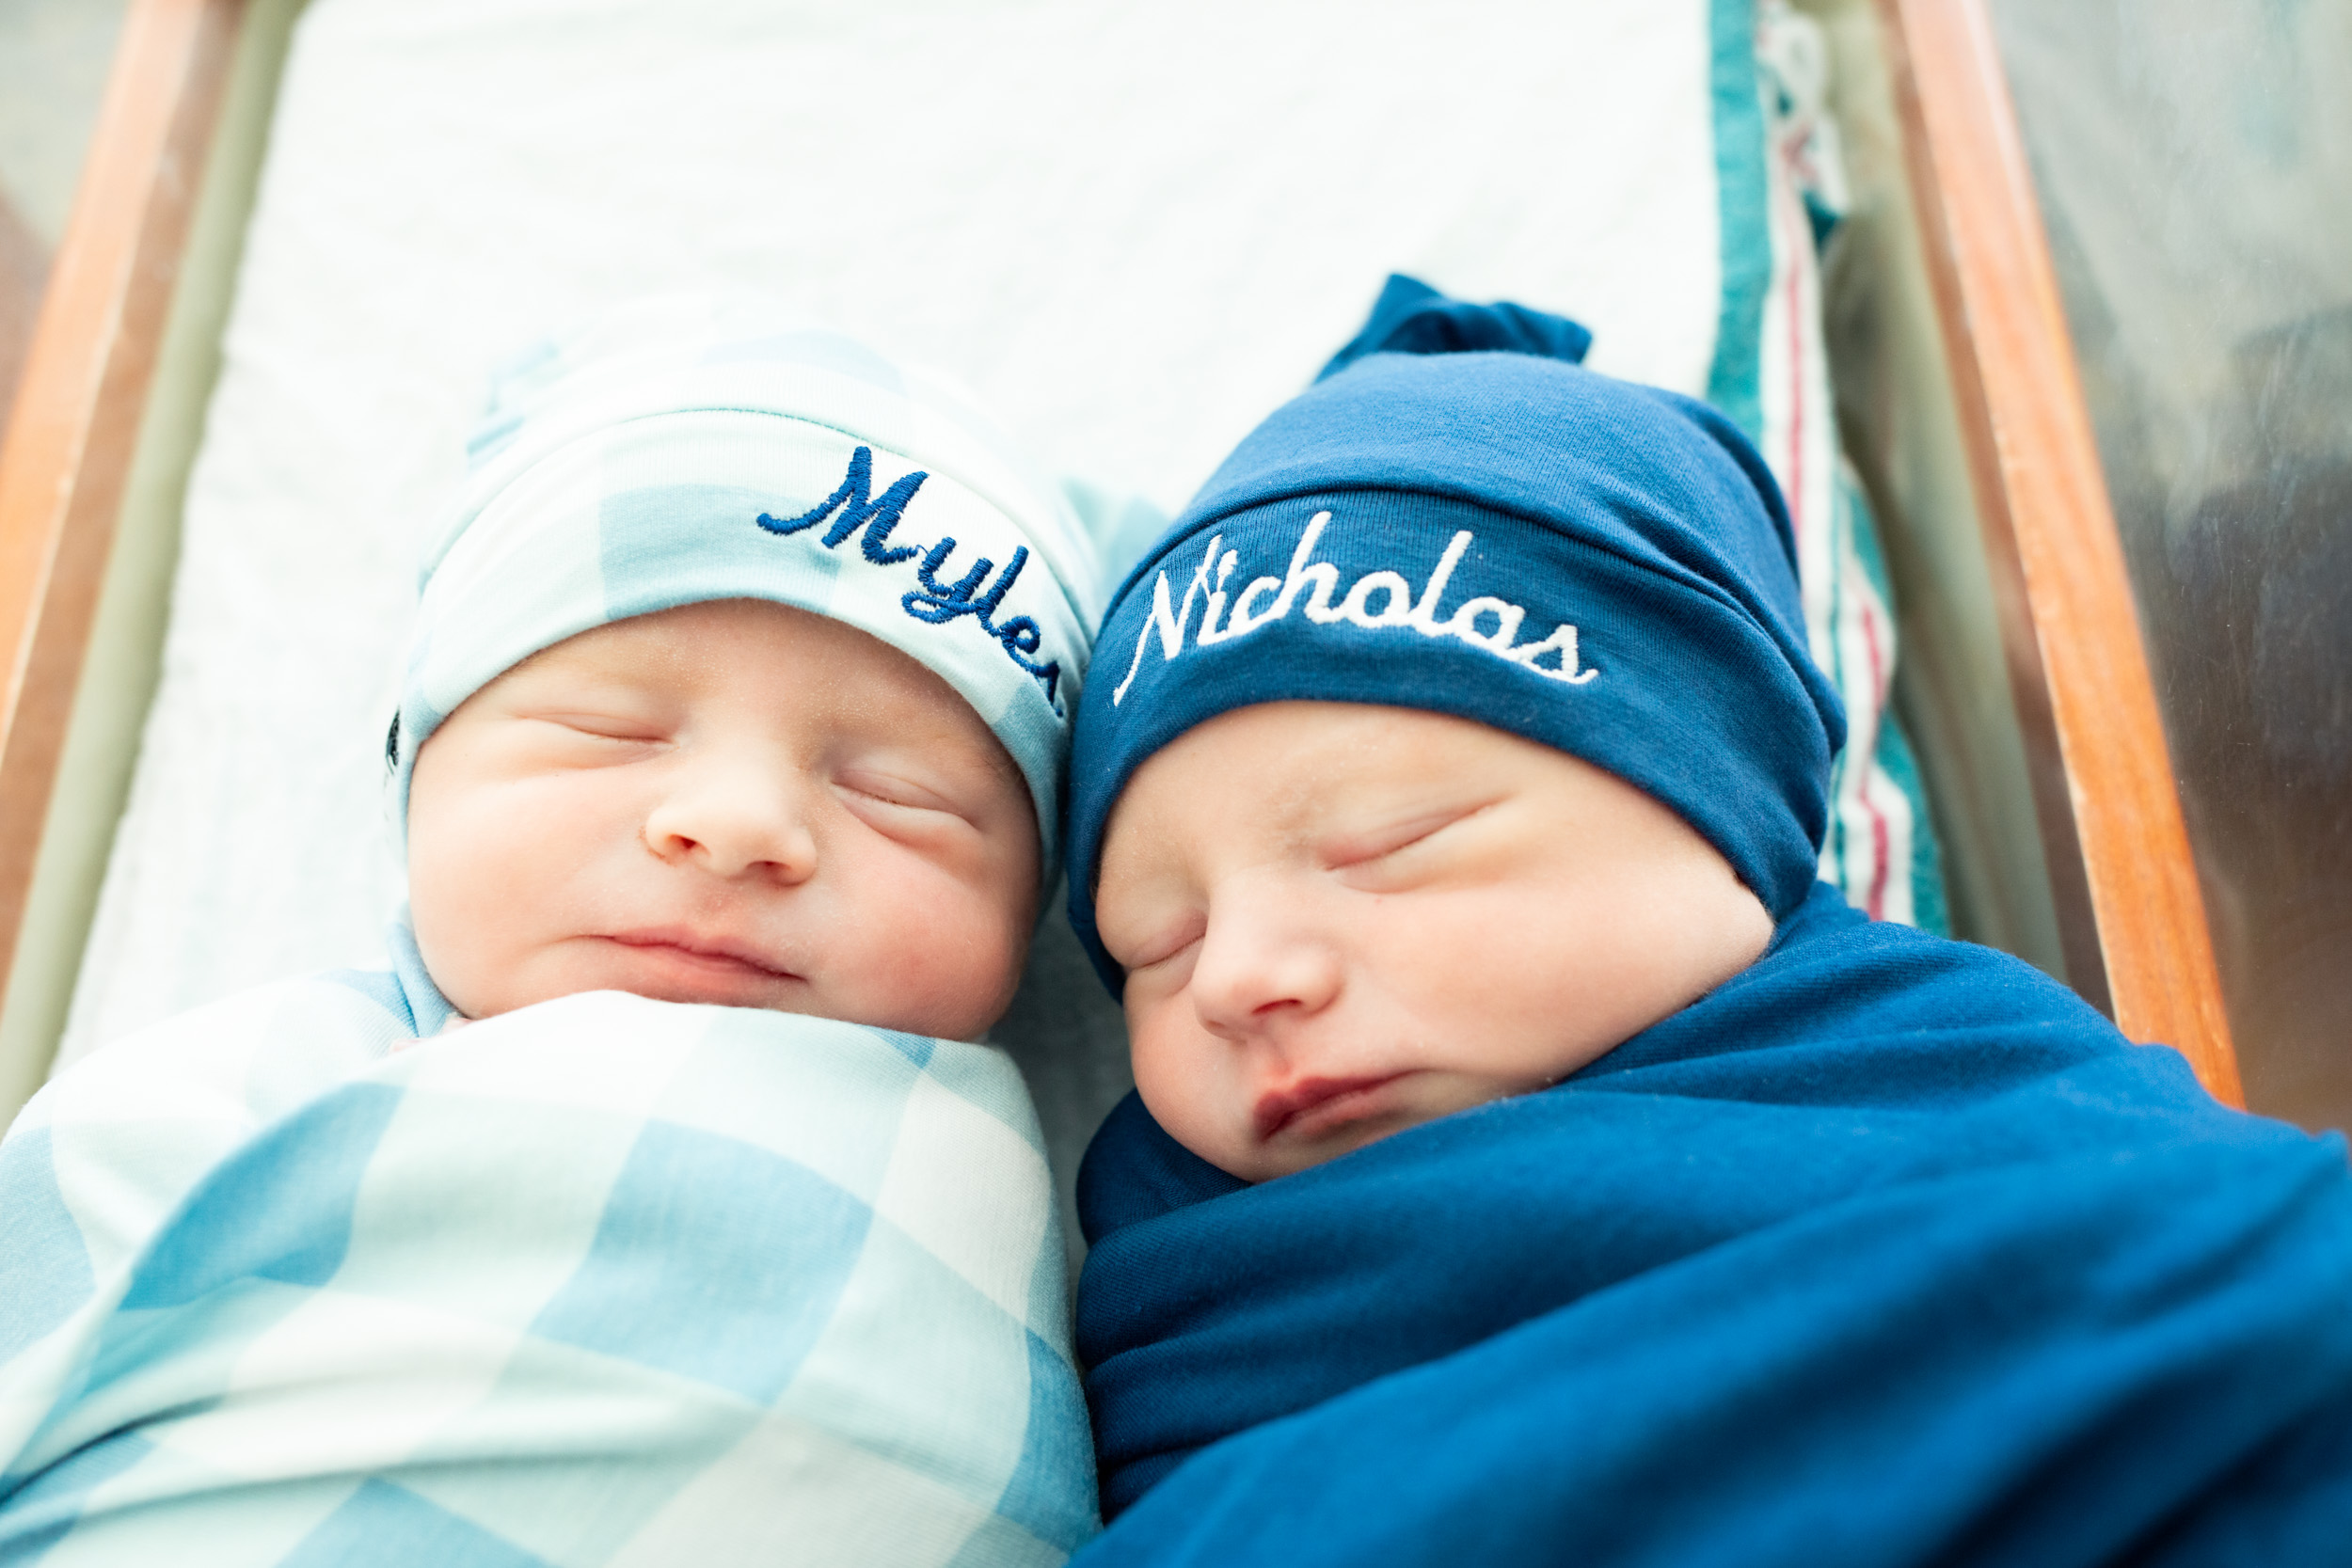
x: 601, y: 1281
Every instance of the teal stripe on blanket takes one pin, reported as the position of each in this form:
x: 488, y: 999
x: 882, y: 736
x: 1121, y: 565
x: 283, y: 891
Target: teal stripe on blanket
x: 1733, y: 381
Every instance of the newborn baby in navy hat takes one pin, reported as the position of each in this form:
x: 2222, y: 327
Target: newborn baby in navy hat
x: 1531, y: 1160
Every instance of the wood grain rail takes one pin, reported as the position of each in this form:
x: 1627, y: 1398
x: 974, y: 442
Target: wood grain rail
x: 2106, y: 790
x: 67, y: 446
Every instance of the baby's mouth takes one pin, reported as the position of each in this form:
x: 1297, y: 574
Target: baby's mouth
x: 1314, y: 1105
x: 716, y: 956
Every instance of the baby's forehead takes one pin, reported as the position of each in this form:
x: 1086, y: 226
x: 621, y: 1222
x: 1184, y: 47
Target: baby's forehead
x: 797, y: 650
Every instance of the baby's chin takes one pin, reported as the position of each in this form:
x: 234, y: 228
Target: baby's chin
x: 1290, y: 1157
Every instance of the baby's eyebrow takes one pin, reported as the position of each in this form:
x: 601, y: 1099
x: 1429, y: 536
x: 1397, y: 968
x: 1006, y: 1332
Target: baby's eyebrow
x: 597, y: 667
x: 544, y: 700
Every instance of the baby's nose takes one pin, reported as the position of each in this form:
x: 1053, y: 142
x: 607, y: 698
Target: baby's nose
x: 734, y: 822
x: 1260, y: 971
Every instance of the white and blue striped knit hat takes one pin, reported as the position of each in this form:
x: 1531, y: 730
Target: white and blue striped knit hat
x: 683, y: 450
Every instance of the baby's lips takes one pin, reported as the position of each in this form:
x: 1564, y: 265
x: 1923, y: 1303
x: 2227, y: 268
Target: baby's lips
x: 706, y: 948
x: 1278, y: 1109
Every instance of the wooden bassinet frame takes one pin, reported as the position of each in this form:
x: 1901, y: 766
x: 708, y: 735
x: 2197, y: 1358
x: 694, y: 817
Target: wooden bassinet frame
x: 1956, y: 373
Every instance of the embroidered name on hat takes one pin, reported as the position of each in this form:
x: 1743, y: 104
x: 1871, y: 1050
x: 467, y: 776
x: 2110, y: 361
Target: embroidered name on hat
x: 933, y: 603
x: 1487, y: 623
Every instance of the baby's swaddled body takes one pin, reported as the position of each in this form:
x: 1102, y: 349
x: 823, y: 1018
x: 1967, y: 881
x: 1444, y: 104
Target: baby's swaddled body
x: 601, y: 1280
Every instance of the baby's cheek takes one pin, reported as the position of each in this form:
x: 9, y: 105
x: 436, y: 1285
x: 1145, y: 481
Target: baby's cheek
x: 1183, y: 1082
x: 938, y: 958
x: 456, y: 929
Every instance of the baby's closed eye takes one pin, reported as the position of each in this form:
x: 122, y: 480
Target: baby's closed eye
x: 1384, y: 846
x: 892, y: 790
x: 912, y: 800
x: 1150, y: 947
x: 592, y: 724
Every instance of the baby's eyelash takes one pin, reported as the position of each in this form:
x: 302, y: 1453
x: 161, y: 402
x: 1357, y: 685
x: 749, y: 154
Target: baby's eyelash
x: 604, y: 727
x: 1371, y: 847
x: 886, y: 798
x: 1173, y: 947
x: 895, y: 792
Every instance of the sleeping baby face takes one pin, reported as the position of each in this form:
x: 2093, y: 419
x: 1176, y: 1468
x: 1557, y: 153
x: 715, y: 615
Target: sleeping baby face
x: 734, y: 803
x: 1339, y: 921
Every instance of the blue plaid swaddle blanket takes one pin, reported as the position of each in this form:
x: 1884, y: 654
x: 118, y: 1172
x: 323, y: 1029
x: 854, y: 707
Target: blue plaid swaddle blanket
x: 604, y: 1280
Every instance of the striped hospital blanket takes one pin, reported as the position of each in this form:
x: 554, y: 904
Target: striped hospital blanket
x: 601, y: 1281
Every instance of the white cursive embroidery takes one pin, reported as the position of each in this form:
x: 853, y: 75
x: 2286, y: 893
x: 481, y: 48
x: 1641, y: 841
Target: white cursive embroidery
x: 1376, y: 601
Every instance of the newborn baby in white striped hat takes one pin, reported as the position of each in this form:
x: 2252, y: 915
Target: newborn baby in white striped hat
x: 771, y: 648
x: 727, y: 770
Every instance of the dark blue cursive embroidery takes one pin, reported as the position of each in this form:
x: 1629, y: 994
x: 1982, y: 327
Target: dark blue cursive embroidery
x: 934, y: 603
x: 879, y: 516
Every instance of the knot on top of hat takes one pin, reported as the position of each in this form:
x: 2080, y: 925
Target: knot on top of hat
x: 1410, y: 317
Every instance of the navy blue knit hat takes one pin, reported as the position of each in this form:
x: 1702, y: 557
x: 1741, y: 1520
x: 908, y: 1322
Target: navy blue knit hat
x: 1459, y: 517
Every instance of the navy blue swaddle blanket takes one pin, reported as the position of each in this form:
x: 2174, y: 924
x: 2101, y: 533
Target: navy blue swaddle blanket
x: 1889, y: 1251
